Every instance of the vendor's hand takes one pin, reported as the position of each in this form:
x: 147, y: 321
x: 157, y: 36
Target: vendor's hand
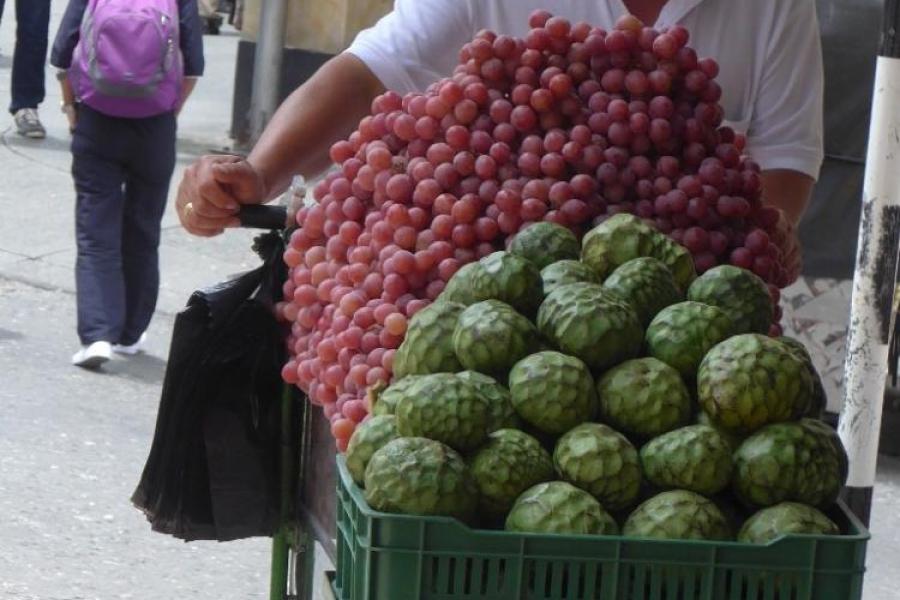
x: 785, y: 237
x: 211, y: 192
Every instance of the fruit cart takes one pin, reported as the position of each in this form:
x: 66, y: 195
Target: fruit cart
x: 382, y: 556
x: 308, y: 476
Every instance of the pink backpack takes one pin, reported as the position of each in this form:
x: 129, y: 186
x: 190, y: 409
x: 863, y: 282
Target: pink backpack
x: 127, y: 62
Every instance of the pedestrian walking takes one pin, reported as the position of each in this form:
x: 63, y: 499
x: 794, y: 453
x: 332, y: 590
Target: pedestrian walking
x: 129, y: 66
x: 29, y: 57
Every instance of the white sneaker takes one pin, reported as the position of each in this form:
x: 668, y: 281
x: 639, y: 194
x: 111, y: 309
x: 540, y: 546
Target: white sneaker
x: 93, y: 355
x: 135, y: 348
x: 29, y: 124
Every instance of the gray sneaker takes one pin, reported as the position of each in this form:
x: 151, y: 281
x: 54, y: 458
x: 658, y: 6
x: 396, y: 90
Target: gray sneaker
x: 29, y: 125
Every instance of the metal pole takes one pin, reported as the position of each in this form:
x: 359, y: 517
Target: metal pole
x: 871, y: 315
x: 264, y: 95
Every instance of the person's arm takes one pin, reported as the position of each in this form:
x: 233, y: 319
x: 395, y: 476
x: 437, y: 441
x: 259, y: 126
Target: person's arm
x: 64, y: 44
x: 323, y: 110
x: 297, y: 140
x: 68, y: 34
x: 408, y: 49
x: 786, y: 131
x: 187, y: 88
x: 411, y: 47
x: 68, y: 99
x: 789, y: 191
x: 190, y: 42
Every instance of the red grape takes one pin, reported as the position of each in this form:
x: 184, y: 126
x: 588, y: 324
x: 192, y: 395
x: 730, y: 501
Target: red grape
x: 757, y: 242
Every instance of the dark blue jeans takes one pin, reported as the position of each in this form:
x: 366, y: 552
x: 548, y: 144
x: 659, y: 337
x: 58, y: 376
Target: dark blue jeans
x: 122, y: 169
x: 30, y: 55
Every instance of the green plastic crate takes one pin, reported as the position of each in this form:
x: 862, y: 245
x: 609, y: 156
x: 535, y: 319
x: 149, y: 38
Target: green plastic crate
x: 396, y: 557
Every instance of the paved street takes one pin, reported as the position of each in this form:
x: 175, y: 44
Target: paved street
x: 73, y: 443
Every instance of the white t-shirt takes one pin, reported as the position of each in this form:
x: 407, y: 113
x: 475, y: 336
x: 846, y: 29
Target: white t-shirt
x: 769, y: 52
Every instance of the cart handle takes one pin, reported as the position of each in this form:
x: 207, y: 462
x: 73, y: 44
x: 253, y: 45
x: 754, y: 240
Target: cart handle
x: 263, y: 216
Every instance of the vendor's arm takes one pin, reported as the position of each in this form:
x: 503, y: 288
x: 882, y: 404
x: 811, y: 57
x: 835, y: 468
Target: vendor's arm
x: 411, y: 47
x: 785, y: 134
x: 297, y: 140
x: 788, y: 190
x: 326, y: 108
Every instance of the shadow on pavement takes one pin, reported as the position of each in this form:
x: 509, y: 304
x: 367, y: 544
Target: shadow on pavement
x: 142, y: 367
x: 7, y: 334
x: 19, y: 144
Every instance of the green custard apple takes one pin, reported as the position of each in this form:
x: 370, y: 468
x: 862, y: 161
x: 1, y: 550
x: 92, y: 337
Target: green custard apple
x: 819, y: 399
x: 594, y: 324
x: 678, y: 515
x: 602, y: 462
x: 682, y: 334
x: 614, y: 242
x: 445, y: 408
x: 552, y: 391
x: 428, y: 346
x: 677, y: 258
x: 800, y: 461
x: 738, y: 292
x: 544, y: 243
x: 383, y: 401
x: 511, y: 279
x: 646, y: 284
x: 644, y: 397
x: 751, y: 380
x: 786, y: 518
x: 624, y: 237
x: 559, y: 507
x: 509, y: 463
x: 461, y: 287
x: 563, y: 272
x: 490, y: 337
x: 502, y: 415
x: 418, y: 476
x: 369, y: 437
x: 695, y: 458
x: 734, y: 439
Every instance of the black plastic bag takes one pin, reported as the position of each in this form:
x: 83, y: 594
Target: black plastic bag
x: 213, y: 470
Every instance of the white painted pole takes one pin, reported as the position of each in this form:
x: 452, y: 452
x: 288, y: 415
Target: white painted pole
x: 871, y: 316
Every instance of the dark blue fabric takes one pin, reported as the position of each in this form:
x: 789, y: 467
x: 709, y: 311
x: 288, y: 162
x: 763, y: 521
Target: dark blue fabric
x: 190, y: 29
x: 30, y: 55
x: 122, y: 169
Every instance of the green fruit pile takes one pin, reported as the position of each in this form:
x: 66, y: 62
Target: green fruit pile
x: 544, y: 393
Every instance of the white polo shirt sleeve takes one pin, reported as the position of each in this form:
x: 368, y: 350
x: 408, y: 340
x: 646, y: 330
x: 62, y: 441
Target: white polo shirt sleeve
x: 786, y: 129
x: 417, y: 43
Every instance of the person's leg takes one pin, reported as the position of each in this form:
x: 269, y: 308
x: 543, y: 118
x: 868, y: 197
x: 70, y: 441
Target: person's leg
x: 146, y: 193
x: 99, y: 180
x: 29, y: 58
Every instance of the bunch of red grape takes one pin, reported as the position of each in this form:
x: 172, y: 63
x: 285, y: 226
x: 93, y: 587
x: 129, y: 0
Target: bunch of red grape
x: 571, y: 124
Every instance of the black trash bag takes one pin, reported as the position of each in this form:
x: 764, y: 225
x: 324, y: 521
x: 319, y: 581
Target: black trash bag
x: 213, y: 471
